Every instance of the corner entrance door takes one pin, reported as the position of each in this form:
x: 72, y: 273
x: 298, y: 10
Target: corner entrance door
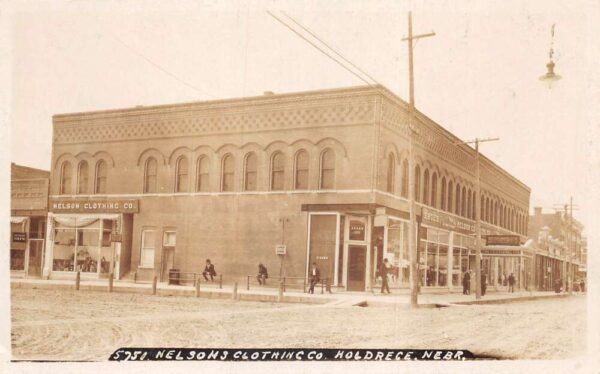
x: 36, y: 252
x: 357, y: 265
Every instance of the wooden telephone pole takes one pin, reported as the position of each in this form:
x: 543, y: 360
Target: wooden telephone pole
x: 476, y: 141
x: 413, y: 236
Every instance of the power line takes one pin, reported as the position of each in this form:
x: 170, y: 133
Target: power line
x: 131, y: 49
x: 320, y: 49
x: 331, y: 48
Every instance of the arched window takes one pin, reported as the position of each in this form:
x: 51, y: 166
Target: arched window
x: 434, y: 183
x: 457, y: 201
x: 473, y: 206
x: 482, y: 208
x: 277, y: 171
x: 250, y: 170
x: 404, y: 189
x: 202, y: 174
x: 101, y: 177
x: 443, y: 194
x: 327, y: 170
x: 450, y: 199
x: 227, y: 171
x: 418, y: 184
x: 463, y: 208
x: 469, y: 205
x: 391, y: 173
x: 181, y: 178
x: 82, y: 178
x: 301, y: 167
x: 487, y: 210
x: 65, y: 178
x: 426, y: 187
x: 150, y: 171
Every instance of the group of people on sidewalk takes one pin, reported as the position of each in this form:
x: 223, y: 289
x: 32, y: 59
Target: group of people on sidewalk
x: 314, y: 276
x: 467, y: 283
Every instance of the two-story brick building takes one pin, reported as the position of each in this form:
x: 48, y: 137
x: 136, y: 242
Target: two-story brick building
x: 325, y: 173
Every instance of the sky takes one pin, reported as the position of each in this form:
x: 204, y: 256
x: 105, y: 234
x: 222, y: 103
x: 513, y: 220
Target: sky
x: 478, y: 77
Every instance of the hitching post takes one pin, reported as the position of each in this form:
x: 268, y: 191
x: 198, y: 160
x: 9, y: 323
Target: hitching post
x: 154, y: 281
x: 111, y: 278
x: 235, y: 291
x: 197, y: 287
x: 77, y: 280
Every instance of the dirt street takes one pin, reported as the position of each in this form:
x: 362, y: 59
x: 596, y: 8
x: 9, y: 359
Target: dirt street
x: 70, y: 325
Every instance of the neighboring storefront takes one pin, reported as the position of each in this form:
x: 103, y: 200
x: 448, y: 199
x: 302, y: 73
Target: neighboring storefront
x: 29, y: 209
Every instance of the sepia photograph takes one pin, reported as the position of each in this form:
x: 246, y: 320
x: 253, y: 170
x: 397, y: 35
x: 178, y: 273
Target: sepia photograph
x: 372, y: 182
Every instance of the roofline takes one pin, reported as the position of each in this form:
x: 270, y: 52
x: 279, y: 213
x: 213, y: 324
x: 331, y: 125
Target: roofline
x: 310, y: 94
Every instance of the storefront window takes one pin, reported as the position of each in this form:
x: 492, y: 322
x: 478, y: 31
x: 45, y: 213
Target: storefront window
x: 86, y: 248
x: 17, y: 259
x: 433, y: 255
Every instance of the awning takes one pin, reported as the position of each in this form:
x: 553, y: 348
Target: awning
x: 17, y: 219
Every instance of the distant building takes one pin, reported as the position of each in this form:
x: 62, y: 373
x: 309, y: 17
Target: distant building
x: 148, y: 189
x: 561, y: 248
x: 28, y: 216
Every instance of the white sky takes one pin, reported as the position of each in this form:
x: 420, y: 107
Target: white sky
x: 477, y: 77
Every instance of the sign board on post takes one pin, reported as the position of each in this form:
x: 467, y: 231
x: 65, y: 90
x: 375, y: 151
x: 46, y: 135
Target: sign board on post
x: 280, y: 249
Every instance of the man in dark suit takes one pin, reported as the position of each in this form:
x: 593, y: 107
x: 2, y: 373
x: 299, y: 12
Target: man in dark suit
x: 314, y: 276
x: 466, y: 283
x: 262, y: 274
x: 511, y: 283
x: 209, y: 269
x: 385, y: 269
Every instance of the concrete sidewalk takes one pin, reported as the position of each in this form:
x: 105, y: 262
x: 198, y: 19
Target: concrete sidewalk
x: 399, y: 298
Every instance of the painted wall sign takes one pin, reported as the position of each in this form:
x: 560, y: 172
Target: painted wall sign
x: 357, y: 231
x: 448, y: 222
x: 94, y: 206
x: 280, y: 249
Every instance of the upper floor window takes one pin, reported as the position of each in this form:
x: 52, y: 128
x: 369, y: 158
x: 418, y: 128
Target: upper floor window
x: 463, y: 208
x: 202, y: 174
x: 277, y: 171
x: 391, y: 173
x: 443, y: 194
x: 457, y: 201
x: 227, y: 173
x: 449, y: 200
x: 65, y: 178
x: 418, y: 183
x: 327, y: 170
x: 301, y: 166
x: 182, y: 172
x: 250, y: 168
x: 101, y: 177
x: 82, y: 178
x: 426, y: 187
x: 404, y: 189
x: 150, y: 171
x: 434, y: 183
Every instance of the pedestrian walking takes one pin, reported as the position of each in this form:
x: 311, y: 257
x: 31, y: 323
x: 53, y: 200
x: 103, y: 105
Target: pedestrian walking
x: 483, y: 283
x: 209, y: 269
x: 385, y: 270
x: 511, y: 283
x: 315, y: 276
x: 557, y: 285
x: 263, y: 274
x: 466, y: 283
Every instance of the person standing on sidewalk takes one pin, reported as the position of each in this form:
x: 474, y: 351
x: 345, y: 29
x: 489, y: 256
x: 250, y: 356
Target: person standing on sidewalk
x: 511, y: 283
x: 385, y: 269
x: 483, y: 283
x: 466, y: 283
x: 315, y: 276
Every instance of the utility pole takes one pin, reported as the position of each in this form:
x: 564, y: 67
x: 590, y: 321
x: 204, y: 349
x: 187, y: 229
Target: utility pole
x: 478, y: 214
x: 571, y: 274
x: 413, y: 236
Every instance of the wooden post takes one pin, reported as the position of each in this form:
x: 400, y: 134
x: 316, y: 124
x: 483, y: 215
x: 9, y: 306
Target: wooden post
x: 111, y: 278
x: 135, y: 277
x: 280, y: 294
x: 235, y: 291
x: 77, y: 280
x: 248, y: 284
x: 197, y: 284
x: 154, y: 281
x: 221, y: 281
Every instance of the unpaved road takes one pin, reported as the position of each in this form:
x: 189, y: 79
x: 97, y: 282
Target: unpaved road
x: 70, y: 325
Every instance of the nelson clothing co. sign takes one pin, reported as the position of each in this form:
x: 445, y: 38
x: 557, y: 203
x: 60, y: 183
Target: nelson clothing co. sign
x: 94, y: 206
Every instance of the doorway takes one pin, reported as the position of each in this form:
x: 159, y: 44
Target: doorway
x: 35, y: 256
x: 357, y: 264
x: 168, y: 263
